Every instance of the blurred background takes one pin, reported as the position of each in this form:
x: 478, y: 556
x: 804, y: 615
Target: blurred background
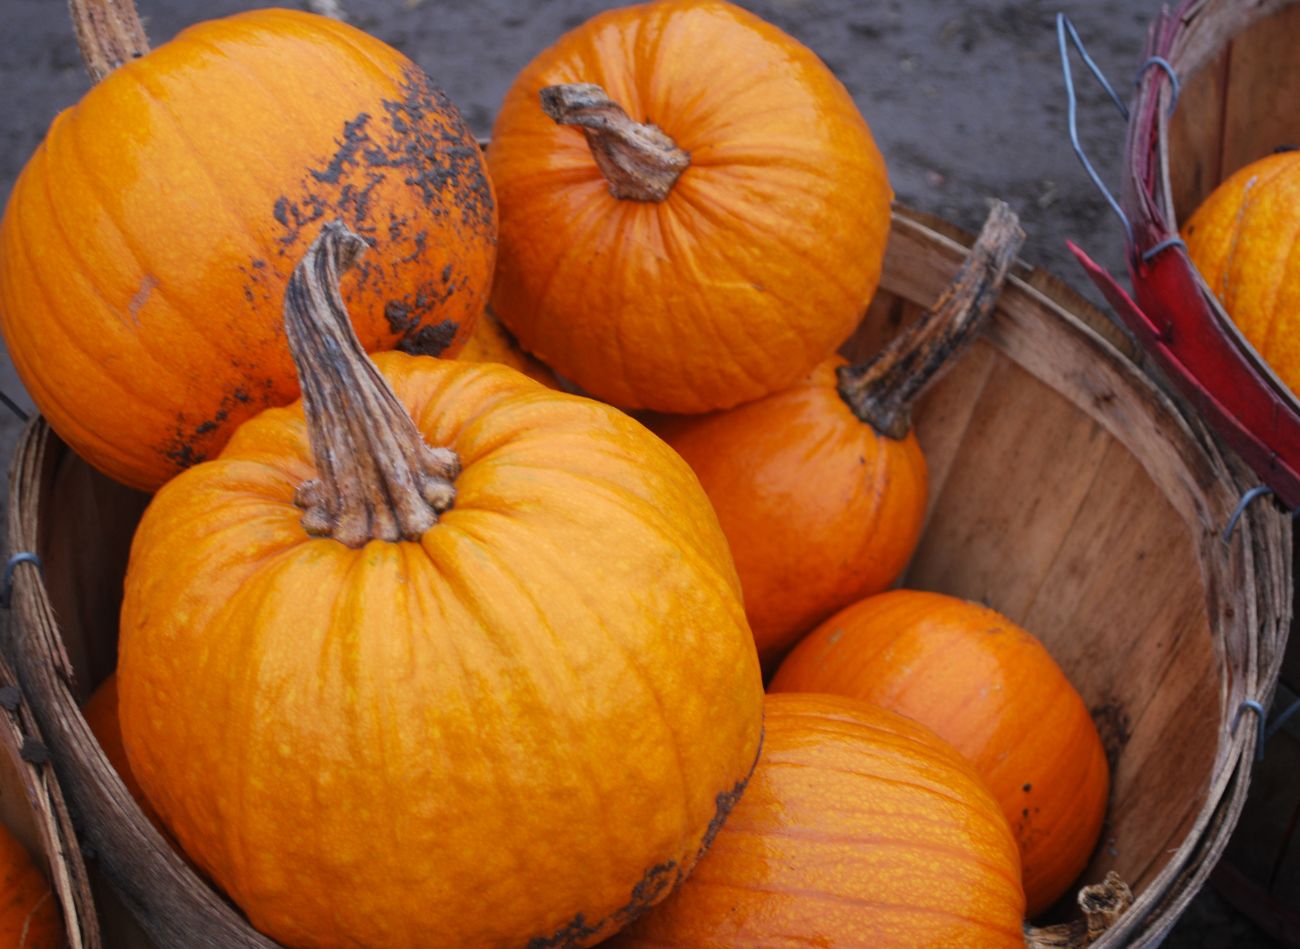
x: 965, y: 98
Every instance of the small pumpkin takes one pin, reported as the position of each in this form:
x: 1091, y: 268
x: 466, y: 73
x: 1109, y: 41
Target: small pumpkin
x: 492, y: 342
x: 699, y: 215
x: 499, y: 690
x: 821, y: 487
x: 146, y: 245
x: 1242, y: 239
x: 29, y: 913
x: 994, y: 692
x: 859, y: 828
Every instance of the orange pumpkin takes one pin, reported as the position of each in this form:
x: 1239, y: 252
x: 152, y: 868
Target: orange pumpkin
x: 146, y: 245
x: 821, y: 487
x: 100, y: 711
x: 492, y: 342
x: 859, y: 828
x: 709, y: 256
x: 397, y: 690
x: 1242, y: 239
x: 992, y: 691
x: 29, y: 913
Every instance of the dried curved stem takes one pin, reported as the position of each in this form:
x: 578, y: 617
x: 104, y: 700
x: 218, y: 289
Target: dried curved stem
x: 881, y: 391
x: 109, y: 33
x: 1102, y: 904
x: 378, y: 478
x: 639, y: 160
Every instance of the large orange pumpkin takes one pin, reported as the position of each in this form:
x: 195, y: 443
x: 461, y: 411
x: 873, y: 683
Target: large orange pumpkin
x: 145, y: 248
x: 821, y: 487
x: 497, y: 691
x: 992, y: 691
x: 859, y: 828
x: 1242, y: 239
x: 712, y: 228
x: 29, y: 913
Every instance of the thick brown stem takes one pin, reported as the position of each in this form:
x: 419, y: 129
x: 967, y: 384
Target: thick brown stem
x: 1102, y: 904
x: 881, y: 392
x: 109, y: 33
x: 640, y: 161
x: 378, y: 478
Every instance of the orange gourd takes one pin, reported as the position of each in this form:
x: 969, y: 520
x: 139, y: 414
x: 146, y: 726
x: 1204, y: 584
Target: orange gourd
x: 495, y: 691
x: 712, y: 228
x: 1242, y: 239
x: 29, y: 913
x: 821, y: 487
x: 491, y: 342
x: 859, y: 828
x: 146, y: 245
x: 991, y: 690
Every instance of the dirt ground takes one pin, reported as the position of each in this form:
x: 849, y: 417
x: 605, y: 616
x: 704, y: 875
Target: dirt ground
x: 965, y: 98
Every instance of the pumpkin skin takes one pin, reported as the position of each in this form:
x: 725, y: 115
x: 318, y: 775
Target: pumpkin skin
x: 146, y: 245
x: 761, y: 259
x: 991, y: 690
x: 1242, y: 239
x: 858, y: 828
x: 29, y: 913
x: 499, y: 733
x: 490, y: 342
x: 820, y: 509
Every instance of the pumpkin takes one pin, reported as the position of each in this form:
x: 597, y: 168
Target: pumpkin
x: 858, y: 828
x: 699, y: 216
x: 500, y: 690
x: 821, y: 486
x: 1242, y: 239
x: 492, y: 342
x: 29, y: 914
x: 146, y: 245
x: 990, y: 689
x: 100, y: 712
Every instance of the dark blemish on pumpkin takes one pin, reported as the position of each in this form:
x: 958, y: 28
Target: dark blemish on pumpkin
x: 205, y: 428
x: 398, y: 315
x: 241, y: 396
x: 572, y: 933
x: 147, y: 286
x: 1115, y: 728
x: 183, y: 455
x: 1027, y: 788
x: 429, y: 340
x: 446, y: 274
x: 10, y: 698
x: 34, y: 751
x: 420, y: 242
x: 862, y: 460
x: 354, y: 138
x: 1024, y: 812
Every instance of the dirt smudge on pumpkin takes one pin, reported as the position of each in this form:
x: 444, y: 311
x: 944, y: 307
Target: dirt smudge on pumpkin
x: 429, y: 340
x: 141, y: 297
x: 655, y: 884
x: 192, y: 443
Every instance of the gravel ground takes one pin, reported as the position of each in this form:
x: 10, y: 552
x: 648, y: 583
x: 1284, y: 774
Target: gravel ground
x: 965, y: 98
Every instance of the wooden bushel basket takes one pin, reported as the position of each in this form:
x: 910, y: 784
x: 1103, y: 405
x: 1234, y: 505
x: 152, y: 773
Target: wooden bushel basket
x: 1067, y: 492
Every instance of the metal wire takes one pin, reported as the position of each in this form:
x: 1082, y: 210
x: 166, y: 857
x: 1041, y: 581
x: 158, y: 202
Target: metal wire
x: 1165, y: 244
x: 7, y: 583
x: 1168, y: 67
x: 1065, y: 28
x: 1260, y: 736
x: 1246, y: 499
x: 1282, y: 719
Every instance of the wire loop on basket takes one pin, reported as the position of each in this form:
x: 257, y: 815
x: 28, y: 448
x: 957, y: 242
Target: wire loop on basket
x: 1169, y: 70
x: 7, y: 582
x: 1256, y: 492
x: 1260, y: 736
x: 1165, y: 244
x: 1065, y: 28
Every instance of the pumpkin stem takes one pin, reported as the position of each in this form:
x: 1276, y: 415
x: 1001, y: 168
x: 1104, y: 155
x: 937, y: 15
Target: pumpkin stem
x: 378, y: 478
x: 109, y: 33
x: 639, y: 160
x: 1102, y: 904
x: 882, y: 390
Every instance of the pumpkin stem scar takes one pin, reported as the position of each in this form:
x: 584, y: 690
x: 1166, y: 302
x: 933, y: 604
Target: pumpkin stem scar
x: 109, y: 33
x: 1102, y: 904
x: 639, y: 160
x: 882, y: 390
x: 378, y: 478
